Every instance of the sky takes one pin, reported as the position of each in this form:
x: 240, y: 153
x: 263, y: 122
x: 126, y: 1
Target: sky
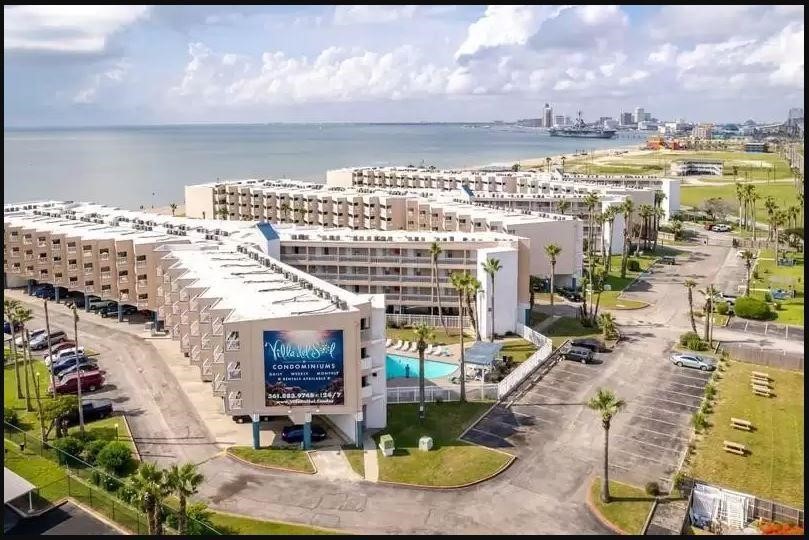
x: 130, y: 65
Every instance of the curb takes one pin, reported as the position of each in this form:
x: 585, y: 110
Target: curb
x: 243, y: 516
x: 460, y: 486
x: 596, y: 513
x: 270, y: 467
x: 131, y: 437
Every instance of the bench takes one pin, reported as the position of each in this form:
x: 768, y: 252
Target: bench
x: 759, y: 375
x: 735, y: 448
x: 740, y: 423
x: 760, y: 391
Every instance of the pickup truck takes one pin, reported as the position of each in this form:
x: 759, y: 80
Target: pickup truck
x: 92, y: 409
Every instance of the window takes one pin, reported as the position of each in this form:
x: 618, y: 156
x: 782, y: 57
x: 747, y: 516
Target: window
x: 363, y: 352
x: 232, y: 341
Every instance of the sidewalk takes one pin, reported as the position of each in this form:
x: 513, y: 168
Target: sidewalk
x: 371, y: 463
x: 332, y: 464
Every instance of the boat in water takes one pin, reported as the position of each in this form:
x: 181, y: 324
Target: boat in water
x: 581, y: 130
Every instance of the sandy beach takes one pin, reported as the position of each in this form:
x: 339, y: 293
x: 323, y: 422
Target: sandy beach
x: 529, y: 163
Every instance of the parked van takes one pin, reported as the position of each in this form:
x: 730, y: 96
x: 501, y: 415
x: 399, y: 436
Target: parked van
x: 31, y: 335
x: 97, y: 303
x: 41, y: 341
x: 90, y: 381
x: 62, y: 353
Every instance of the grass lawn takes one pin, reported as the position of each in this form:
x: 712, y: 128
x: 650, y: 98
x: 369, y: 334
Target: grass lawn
x: 450, y: 462
x: 28, y: 420
x: 773, y: 468
x: 519, y: 348
x: 356, y: 458
x: 242, y: 525
x: 296, y: 460
x: 569, y: 328
x: 772, y: 276
x: 629, y: 507
x: 784, y: 194
x: 441, y: 337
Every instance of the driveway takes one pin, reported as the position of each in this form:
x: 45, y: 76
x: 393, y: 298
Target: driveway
x: 766, y: 329
x: 165, y: 425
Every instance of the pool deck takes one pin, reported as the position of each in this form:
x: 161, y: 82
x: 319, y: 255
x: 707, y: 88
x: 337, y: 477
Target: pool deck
x: 453, y: 358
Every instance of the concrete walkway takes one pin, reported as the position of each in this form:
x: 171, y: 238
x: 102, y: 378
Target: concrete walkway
x: 546, y: 323
x: 332, y: 464
x: 371, y: 463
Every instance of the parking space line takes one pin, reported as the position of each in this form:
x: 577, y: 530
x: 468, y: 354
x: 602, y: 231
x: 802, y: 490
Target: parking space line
x: 705, y: 380
x: 670, y: 401
x: 539, y: 390
x: 681, y: 393
x: 566, y: 372
x: 659, y: 410
x: 647, y: 458
x: 654, y: 420
x: 666, y: 448
x: 688, y: 385
x: 489, y: 433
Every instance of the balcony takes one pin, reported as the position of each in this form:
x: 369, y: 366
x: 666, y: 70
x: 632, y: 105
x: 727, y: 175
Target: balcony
x: 123, y: 279
x: 234, y: 371
x: 73, y: 266
x: 89, y: 288
x: 365, y: 364
x: 194, y: 330
x: 87, y: 253
x: 365, y: 334
x: 71, y: 251
x: 88, y: 271
x: 216, y: 327
x: 140, y: 264
x: 142, y: 284
x: 207, y: 367
x: 219, y: 385
x: 29, y: 257
x: 235, y: 401
x: 106, y: 276
x: 121, y: 260
x: 124, y: 297
x: 104, y: 256
x: 367, y: 392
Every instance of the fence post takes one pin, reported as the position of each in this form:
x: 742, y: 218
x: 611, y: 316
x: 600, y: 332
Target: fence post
x: 68, y: 484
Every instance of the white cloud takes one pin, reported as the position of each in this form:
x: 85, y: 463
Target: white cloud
x: 65, y: 28
x: 635, y: 77
x: 663, y: 54
x: 109, y: 78
x: 785, y: 52
x: 372, y: 14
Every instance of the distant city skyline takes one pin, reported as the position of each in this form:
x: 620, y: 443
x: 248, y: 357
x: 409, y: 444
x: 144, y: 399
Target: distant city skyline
x: 132, y: 65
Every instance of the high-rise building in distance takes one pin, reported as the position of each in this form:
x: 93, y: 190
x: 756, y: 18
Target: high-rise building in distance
x: 626, y: 118
x: 548, y: 116
x: 640, y: 115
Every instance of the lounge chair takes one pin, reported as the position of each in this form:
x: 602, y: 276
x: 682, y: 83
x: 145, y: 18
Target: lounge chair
x: 399, y: 345
x: 445, y: 352
x: 413, y: 347
x: 428, y: 350
x: 388, y: 343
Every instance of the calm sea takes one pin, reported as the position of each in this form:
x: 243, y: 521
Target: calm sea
x: 133, y: 166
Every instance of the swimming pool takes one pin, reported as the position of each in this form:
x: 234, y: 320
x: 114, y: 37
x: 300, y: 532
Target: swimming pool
x: 397, y: 366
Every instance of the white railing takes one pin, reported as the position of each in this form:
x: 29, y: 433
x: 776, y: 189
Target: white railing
x: 205, y: 342
x: 218, y: 384
x: 205, y: 314
x: 543, y: 352
x: 366, y: 364
x: 431, y: 320
x: 195, y: 353
x: 184, y: 319
x: 234, y: 371
x: 194, y: 331
x: 104, y: 256
x: 235, y: 400
x: 410, y: 394
x: 216, y: 326
x: 367, y: 391
x: 207, y: 369
x: 121, y: 260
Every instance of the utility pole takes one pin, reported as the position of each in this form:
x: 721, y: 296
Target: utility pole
x: 50, y: 349
x: 78, y: 371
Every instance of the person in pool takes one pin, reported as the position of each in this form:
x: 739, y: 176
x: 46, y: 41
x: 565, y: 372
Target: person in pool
x: 407, y: 371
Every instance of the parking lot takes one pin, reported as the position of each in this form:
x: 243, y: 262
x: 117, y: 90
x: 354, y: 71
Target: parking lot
x: 649, y: 437
x: 766, y: 329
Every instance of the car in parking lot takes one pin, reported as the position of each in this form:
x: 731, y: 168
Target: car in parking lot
x: 66, y: 344
x: 574, y: 295
x: 7, y: 327
x: 32, y: 334
x: 721, y: 227
x: 294, y: 434
x: 577, y: 354
x: 66, y: 363
x: 112, y: 311
x: 63, y: 352
x: 90, y: 381
x: 693, y: 361
x: 75, y: 300
x: 593, y: 344
x: 42, y: 340
x: 92, y: 409
x: 780, y: 294
x: 668, y: 260
x: 83, y: 367
x: 97, y: 303
x: 246, y: 419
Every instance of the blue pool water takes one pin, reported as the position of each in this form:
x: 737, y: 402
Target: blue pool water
x: 396, y: 366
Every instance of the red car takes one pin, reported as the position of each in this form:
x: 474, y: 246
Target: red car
x: 90, y: 381
x: 62, y: 345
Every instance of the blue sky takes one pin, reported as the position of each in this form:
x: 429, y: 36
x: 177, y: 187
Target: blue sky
x: 116, y: 65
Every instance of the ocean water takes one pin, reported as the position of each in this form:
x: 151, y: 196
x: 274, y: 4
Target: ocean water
x: 133, y: 166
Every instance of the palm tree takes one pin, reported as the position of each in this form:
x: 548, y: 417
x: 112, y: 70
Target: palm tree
x: 10, y: 308
x: 459, y: 282
x: 627, y: 207
x: 659, y: 213
x: 562, y: 159
x: 173, y: 207
x: 598, y: 288
x: 772, y: 208
x: 563, y: 206
x: 747, y: 257
x: 749, y: 190
x: 591, y: 200
x: 183, y: 481
x: 491, y: 267
x: 753, y: 197
x: 606, y: 404
x: 778, y: 220
x: 50, y: 348
x: 222, y: 213
x: 552, y: 251
x: 24, y: 315
x: 709, y: 293
x: 435, y: 252
x: 607, y: 322
x: 424, y: 334
x: 690, y: 284
x: 740, y: 196
x: 284, y: 211
x: 645, y: 212
x: 472, y: 290
x: 548, y: 163
x: 78, y: 371
x: 150, y: 488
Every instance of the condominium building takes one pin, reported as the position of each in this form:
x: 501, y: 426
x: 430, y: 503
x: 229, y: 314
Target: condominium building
x: 240, y: 314
x: 689, y: 167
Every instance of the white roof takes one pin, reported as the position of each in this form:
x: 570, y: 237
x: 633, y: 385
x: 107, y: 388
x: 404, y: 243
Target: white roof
x: 14, y: 485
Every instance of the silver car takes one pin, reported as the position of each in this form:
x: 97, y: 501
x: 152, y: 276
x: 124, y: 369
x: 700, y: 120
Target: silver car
x: 693, y: 360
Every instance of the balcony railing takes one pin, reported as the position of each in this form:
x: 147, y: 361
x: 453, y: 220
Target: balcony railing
x: 216, y: 327
x: 140, y: 264
x: 104, y: 256
x: 365, y: 334
x: 88, y: 271
x: 124, y: 296
x: 207, y: 368
x: 106, y: 275
x: 367, y: 391
x: 73, y: 266
x: 234, y: 371
x: 87, y: 253
x: 121, y: 260
x: 235, y: 401
x: 205, y: 342
x: 194, y: 330
x: 123, y: 279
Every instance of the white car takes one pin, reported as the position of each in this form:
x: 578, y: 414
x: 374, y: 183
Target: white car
x: 32, y: 335
x: 64, y: 353
x: 721, y: 227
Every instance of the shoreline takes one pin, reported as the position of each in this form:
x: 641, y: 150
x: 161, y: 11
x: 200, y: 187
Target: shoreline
x: 532, y: 162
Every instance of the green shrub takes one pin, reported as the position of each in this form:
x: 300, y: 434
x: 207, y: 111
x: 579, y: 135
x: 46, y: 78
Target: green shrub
x: 114, y: 458
x: 91, y: 450
x: 752, y: 308
x: 699, y: 421
x: 633, y: 265
x: 685, y: 338
x: 710, y: 391
x: 652, y: 488
x: 127, y: 493
x: 67, y: 445
x: 755, y: 274
x: 722, y: 308
x: 11, y: 417
x: 693, y: 342
x: 767, y: 297
x: 199, y: 519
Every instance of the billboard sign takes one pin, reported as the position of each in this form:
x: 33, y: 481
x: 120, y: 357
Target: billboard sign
x: 303, y: 367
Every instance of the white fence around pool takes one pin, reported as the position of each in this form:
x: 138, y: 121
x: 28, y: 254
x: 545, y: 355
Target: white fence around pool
x: 480, y: 392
